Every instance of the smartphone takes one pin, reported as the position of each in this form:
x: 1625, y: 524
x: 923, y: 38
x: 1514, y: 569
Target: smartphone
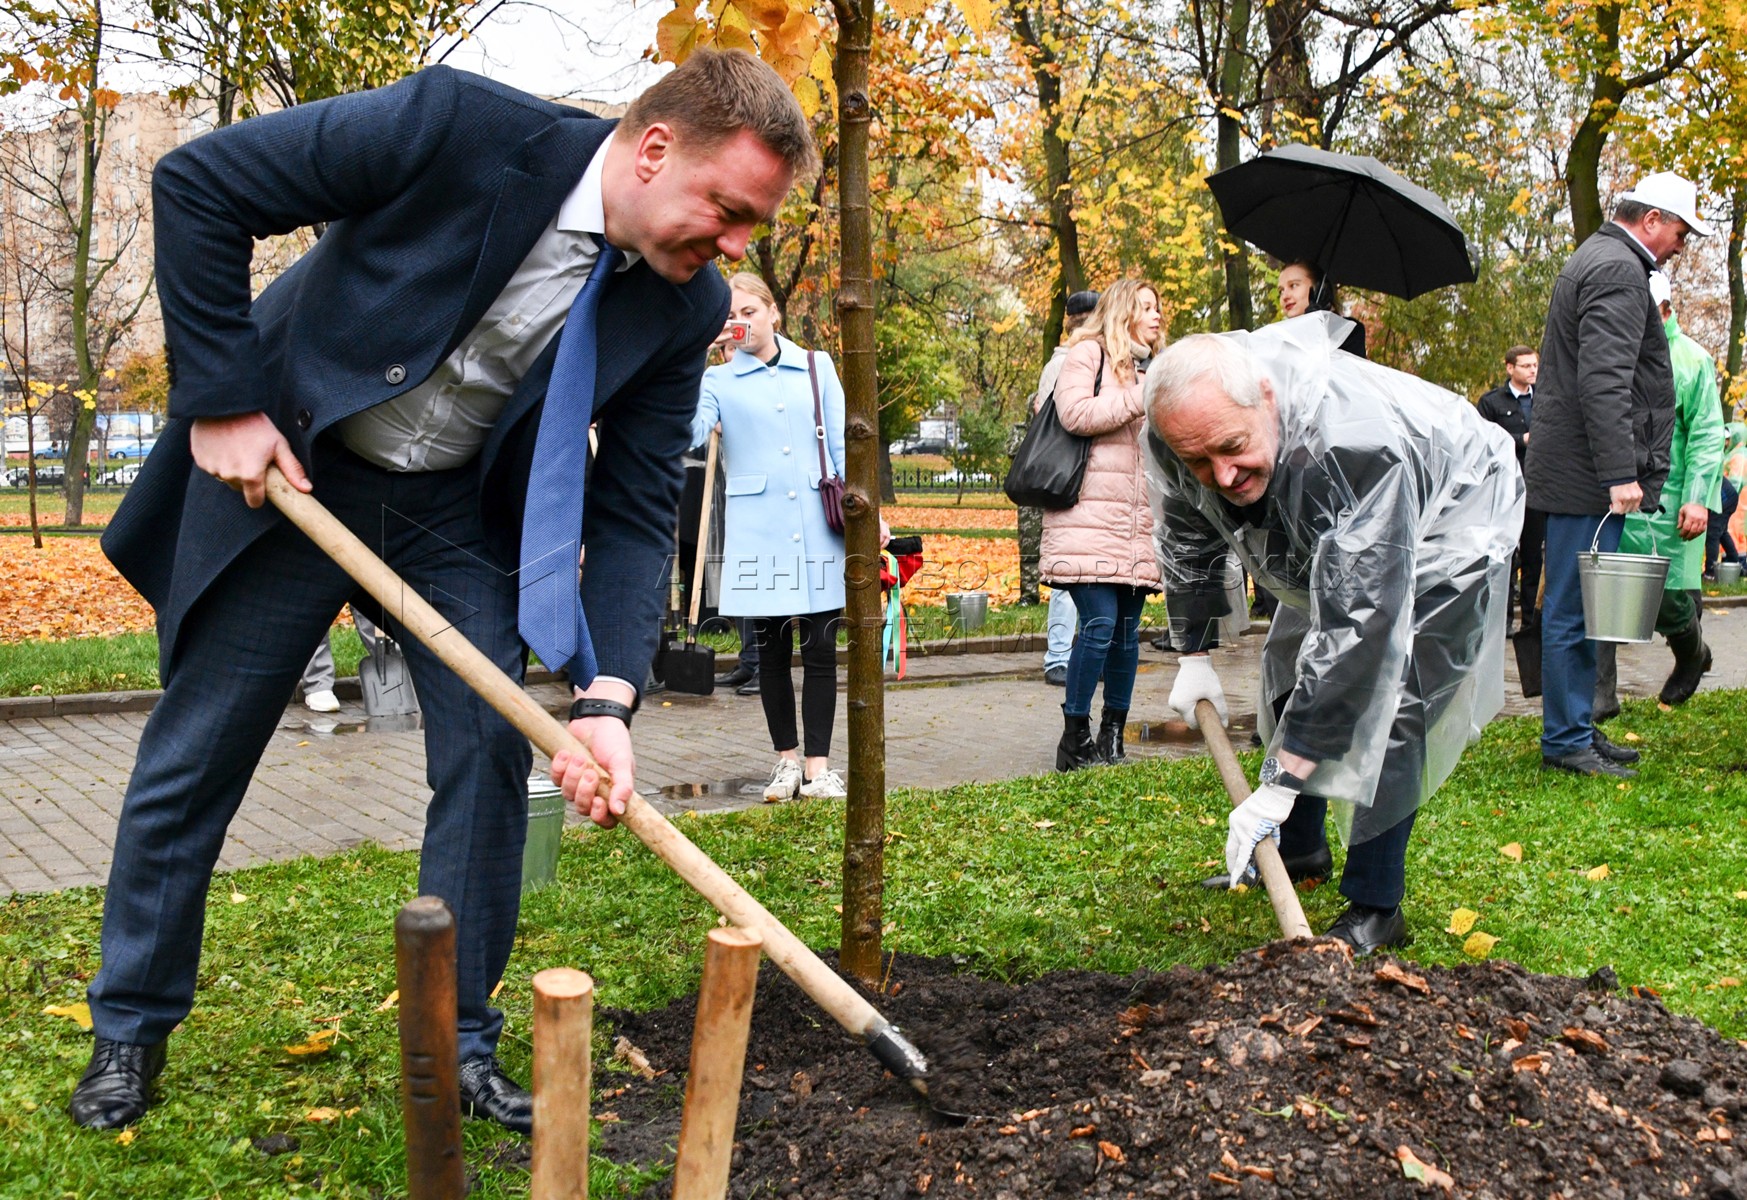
x: 739, y: 329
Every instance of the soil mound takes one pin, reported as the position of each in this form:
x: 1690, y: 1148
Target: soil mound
x: 1293, y: 1072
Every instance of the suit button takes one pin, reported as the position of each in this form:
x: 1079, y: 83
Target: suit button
x: 395, y: 374
x: 304, y: 418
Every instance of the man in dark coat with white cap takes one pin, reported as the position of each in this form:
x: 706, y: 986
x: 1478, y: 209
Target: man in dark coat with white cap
x: 1604, y: 416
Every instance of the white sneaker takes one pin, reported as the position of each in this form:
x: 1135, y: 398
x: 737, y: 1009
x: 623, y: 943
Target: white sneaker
x: 322, y: 701
x: 826, y: 785
x: 785, y: 782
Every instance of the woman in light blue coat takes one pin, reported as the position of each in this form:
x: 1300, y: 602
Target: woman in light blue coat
x: 782, y: 565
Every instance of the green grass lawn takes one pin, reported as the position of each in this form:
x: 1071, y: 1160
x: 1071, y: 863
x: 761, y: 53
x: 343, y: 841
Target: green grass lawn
x: 123, y: 663
x: 130, y: 661
x: 1094, y: 870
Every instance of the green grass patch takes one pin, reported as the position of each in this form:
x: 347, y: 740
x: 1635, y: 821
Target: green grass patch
x: 1092, y: 871
x: 126, y: 662
x: 51, y: 502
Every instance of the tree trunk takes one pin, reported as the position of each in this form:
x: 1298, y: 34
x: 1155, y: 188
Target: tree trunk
x: 1057, y: 166
x: 1030, y: 555
x: 1737, y: 294
x: 864, y: 832
x: 91, y: 122
x: 888, y: 493
x: 1239, y: 314
x: 1290, y: 105
x: 1583, y: 161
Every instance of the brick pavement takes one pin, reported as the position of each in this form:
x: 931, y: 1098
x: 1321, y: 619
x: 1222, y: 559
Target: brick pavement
x: 328, y: 784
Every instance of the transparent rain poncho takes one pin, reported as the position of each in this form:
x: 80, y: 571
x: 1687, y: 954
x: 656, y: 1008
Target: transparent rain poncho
x: 1386, y: 533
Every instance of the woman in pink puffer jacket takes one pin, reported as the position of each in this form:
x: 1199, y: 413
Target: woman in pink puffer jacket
x: 1101, y: 549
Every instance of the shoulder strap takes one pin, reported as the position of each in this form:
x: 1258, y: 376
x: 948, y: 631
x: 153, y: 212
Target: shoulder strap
x: 818, y: 415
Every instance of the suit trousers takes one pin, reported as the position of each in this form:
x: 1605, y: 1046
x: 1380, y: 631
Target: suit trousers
x: 1567, y: 654
x: 243, y: 646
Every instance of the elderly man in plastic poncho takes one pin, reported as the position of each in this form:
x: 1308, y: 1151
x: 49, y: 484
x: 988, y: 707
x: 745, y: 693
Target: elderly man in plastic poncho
x: 1383, y: 512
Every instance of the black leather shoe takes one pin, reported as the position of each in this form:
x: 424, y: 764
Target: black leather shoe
x: 733, y: 679
x: 1110, y: 736
x: 1611, y: 752
x: 1314, y: 867
x: 1586, y: 762
x: 1370, y: 929
x: 488, y: 1093
x: 116, y: 1089
x: 749, y: 688
x: 1056, y: 676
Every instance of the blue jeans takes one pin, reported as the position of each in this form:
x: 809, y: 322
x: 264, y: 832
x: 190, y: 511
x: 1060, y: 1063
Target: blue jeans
x: 1063, y: 621
x: 1567, y: 654
x: 1109, y: 645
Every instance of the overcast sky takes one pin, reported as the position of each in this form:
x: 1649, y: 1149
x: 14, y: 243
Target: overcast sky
x: 584, y: 48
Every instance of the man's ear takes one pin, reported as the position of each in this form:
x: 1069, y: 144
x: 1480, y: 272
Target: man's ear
x: 655, y: 147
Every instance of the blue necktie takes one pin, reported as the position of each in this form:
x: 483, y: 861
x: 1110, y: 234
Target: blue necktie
x: 549, y: 615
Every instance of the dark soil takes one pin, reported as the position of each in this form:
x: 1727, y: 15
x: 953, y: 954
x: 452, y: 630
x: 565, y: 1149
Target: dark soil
x: 1293, y: 1072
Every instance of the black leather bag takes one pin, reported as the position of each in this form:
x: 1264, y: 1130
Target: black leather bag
x: 1050, y: 464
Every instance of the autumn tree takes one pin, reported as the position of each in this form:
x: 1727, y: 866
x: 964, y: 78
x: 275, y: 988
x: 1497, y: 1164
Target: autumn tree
x: 246, y: 55
x: 89, y: 210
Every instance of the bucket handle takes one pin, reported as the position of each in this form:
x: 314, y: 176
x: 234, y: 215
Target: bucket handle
x: 1595, y: 542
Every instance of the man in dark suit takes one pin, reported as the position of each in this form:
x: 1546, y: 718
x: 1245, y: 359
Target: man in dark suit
x: 1604, y: 420
x: 1510, y: 405
x: 409, y: 368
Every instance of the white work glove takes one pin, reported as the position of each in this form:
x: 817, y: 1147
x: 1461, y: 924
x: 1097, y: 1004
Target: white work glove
x: 1256, y: 818
x: 1196, y: 681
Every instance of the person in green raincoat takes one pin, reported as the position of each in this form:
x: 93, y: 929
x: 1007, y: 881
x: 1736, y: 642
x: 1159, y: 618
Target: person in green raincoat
x: 1677, y: 530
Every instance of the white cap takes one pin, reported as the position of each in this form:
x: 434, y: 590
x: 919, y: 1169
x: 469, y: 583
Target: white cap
x: 1661, y: 291
x: 1673, y: 195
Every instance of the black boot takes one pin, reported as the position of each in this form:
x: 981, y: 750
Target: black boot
x: 1691, y: 658
x: 1076, y: 749
x: 1110, y: 729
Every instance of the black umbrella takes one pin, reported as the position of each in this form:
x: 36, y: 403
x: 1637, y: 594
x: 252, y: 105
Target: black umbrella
x: 1360, y: 222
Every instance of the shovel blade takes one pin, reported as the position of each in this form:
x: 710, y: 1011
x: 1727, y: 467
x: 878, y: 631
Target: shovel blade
x: 690, y: 669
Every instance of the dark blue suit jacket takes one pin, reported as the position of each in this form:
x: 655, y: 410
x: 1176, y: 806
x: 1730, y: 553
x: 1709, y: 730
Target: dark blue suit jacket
x: 433, y: 191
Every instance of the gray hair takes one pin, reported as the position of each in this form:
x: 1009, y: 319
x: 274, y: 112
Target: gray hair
x: 1219, y: 357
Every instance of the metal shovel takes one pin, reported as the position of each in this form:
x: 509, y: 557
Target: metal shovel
x: 840, y: 1001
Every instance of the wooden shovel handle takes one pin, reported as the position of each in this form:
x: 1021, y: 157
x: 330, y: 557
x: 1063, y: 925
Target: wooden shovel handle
x: 691, y: 634
x: 1281, y: 894
x: 549, y: 735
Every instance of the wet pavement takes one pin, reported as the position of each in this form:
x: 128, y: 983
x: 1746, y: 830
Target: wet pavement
x: 328, y: 783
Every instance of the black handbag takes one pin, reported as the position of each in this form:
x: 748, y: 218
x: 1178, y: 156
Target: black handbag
x: 1050, y: 464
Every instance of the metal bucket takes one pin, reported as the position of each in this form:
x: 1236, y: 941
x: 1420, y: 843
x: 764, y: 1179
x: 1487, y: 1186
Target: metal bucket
x: 545, y: 833
x: 1728, y: 574
x: 1621, y: 592
x: 966, y: 611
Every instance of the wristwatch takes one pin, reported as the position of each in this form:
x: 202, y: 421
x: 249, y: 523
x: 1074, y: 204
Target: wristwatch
x: 591, y: 707
x: 1274, y: 775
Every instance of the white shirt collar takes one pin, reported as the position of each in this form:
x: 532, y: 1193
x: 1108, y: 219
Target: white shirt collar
x: 1640, y: 245
x: 1519, y: 395
x: 584, y: 210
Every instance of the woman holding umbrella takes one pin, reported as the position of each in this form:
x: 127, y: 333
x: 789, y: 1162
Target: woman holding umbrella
x: 1304, y: 289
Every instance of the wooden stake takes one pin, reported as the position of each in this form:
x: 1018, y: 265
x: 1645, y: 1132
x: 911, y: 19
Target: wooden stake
x: 1272, y: 872
x: 712, y: 1090
x: 563, y: 1023
x: 430, y: 1087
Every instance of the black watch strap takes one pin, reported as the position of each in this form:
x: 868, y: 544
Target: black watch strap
x: 591, y: 707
